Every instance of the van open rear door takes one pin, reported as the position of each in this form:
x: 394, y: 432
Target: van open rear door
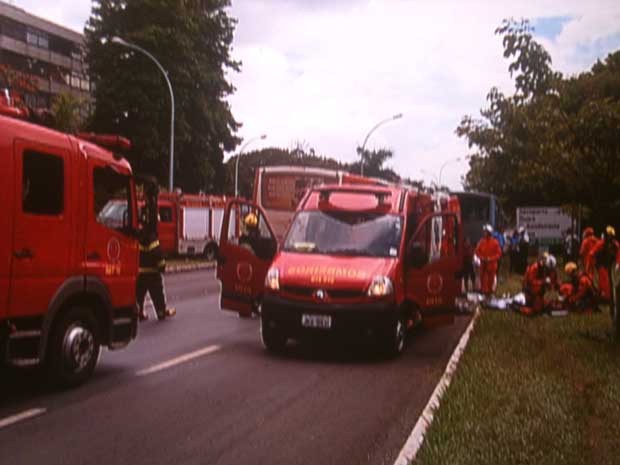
x: 247, y: 248
x: 433, y: 265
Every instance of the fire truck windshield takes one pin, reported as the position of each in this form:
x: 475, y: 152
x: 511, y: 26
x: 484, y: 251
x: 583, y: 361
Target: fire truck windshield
x: 345, y: 233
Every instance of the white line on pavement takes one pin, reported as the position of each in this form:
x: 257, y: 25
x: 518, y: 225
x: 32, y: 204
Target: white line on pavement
x: 178, y: 360
x: 21, y: 416
x: 416, y: 438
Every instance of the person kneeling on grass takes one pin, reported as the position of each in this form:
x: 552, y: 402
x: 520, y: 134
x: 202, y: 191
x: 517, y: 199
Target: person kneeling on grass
x: 539, y: 278
x: 579, y: 292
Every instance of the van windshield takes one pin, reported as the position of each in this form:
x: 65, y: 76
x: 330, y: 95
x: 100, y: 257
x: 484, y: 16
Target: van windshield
x: 345, y: 233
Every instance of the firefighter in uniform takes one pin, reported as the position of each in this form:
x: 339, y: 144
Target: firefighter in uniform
x: 589, y: 241
x: 539, y: 278
x: 152, y: 263
x: 604, y: 255
x: 579, y: 293
x: 489, y: 252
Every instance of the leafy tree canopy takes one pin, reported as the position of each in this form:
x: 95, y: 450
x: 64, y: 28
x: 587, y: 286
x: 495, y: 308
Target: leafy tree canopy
x: 192, y: 41
x: 554, y: 141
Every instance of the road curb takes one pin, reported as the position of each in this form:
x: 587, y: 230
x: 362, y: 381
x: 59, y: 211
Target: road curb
x: 171, y: 269
x: 416, y: 438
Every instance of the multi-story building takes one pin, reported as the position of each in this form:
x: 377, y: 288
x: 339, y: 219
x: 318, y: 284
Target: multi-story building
x: 51, y: 56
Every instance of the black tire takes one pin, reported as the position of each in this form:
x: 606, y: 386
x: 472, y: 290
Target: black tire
x: 210, y: 251
x: 273, y: 340
x: 395, y: 338
x: 74, y: 347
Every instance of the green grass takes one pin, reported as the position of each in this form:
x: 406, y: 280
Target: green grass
x: 531, y: 391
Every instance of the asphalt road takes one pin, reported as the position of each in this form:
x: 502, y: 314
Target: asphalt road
x: 222, y: 399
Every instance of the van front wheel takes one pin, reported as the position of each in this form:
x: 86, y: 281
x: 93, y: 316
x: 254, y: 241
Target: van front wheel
x: 272, y: 338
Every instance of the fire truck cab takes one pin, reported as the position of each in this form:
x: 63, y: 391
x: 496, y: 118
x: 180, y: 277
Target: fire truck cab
x: 357, y: 259
x: 67, y: 277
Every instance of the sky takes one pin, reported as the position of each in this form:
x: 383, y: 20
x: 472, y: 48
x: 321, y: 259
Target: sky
x: 322, y: 73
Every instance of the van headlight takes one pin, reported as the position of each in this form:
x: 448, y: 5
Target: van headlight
x: 380, y: 287
x: 272, y: 280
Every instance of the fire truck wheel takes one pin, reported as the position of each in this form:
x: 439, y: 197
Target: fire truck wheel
x: 396, y: 338
x: 272, y: 339
x: 210, y: 252
x: 74, y: 348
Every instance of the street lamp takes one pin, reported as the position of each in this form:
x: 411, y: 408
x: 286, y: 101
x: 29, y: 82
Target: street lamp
x: 254, y: 139
x: 433, y: 175
x: 454, y: 160
x: 119, y: 41
x: 387, y: 120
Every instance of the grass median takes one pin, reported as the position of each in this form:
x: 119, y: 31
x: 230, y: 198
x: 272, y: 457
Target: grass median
x: 531, y: 391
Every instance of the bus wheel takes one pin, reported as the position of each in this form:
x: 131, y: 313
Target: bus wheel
x: 74, y: 348
x: 210, y: 251
x: 273, y: 340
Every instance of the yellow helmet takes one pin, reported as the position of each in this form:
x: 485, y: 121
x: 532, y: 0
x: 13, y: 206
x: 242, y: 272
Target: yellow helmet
x: 610, y: 231
x: 570, y: 267
x: 250, y: 220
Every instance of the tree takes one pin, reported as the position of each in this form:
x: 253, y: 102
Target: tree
x: 374, y: 161
x: 17, y: 83
x: 66, y: 111
x: 192, y: 40
x: 552, y: 142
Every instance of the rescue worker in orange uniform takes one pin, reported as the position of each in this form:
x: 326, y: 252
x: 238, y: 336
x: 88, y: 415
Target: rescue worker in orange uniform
x: 489, y: 252
x: 579, y: 293
x: 589, y: 241
x: 604, y: 255
x: 539, y: 277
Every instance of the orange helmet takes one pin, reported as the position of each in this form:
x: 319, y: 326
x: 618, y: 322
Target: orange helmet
x: 570, y: 267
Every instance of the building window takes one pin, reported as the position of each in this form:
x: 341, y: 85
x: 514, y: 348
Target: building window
x: 32, y: 38
x: 37, y: 38
x: 43, y: 184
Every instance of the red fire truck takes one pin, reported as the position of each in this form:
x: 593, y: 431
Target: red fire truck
x: 189, y: 224
x: 370, y: 260
x: 67, y: 278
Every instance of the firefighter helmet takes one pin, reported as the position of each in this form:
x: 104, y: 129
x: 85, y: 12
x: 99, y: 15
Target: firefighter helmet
x: 550, y: 261
x: 488, y: 228
x: 570, y: 268
x: 250, y: 220
x: 610, y: 231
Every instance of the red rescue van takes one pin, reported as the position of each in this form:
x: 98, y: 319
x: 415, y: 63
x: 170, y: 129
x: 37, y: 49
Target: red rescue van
x: 67, y: 277
x: 357, y: 259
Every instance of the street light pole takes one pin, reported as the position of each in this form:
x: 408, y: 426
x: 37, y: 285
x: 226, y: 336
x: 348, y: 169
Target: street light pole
x: 446, y: 164
x: 375, y: 127
x: 261, y: 137
x: 119, y: 41
x: 433, y: 175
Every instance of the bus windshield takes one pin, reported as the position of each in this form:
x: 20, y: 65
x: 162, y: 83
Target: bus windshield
x: 345, y: 233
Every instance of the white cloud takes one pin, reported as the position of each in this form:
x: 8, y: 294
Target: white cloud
x: 325, y: 71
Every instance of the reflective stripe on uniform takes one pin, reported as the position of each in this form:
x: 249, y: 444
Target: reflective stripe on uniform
x: 153, y: 245
x: 148, y: 270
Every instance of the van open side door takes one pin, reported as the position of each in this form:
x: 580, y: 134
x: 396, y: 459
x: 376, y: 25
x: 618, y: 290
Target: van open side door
x: 432, y: 268
x: 247, y: 248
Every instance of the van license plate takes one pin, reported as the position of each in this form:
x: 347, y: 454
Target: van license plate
x: 316, y: 321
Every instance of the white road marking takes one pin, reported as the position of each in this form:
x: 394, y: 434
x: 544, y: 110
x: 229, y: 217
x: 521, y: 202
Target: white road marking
x: 21, y: 417
x: 178, y: 360
x: 416, y: 438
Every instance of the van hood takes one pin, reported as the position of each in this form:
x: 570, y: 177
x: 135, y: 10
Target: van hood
x: 330, y: 272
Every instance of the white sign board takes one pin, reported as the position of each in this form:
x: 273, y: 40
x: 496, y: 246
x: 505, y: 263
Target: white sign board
x: 543, y: 223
